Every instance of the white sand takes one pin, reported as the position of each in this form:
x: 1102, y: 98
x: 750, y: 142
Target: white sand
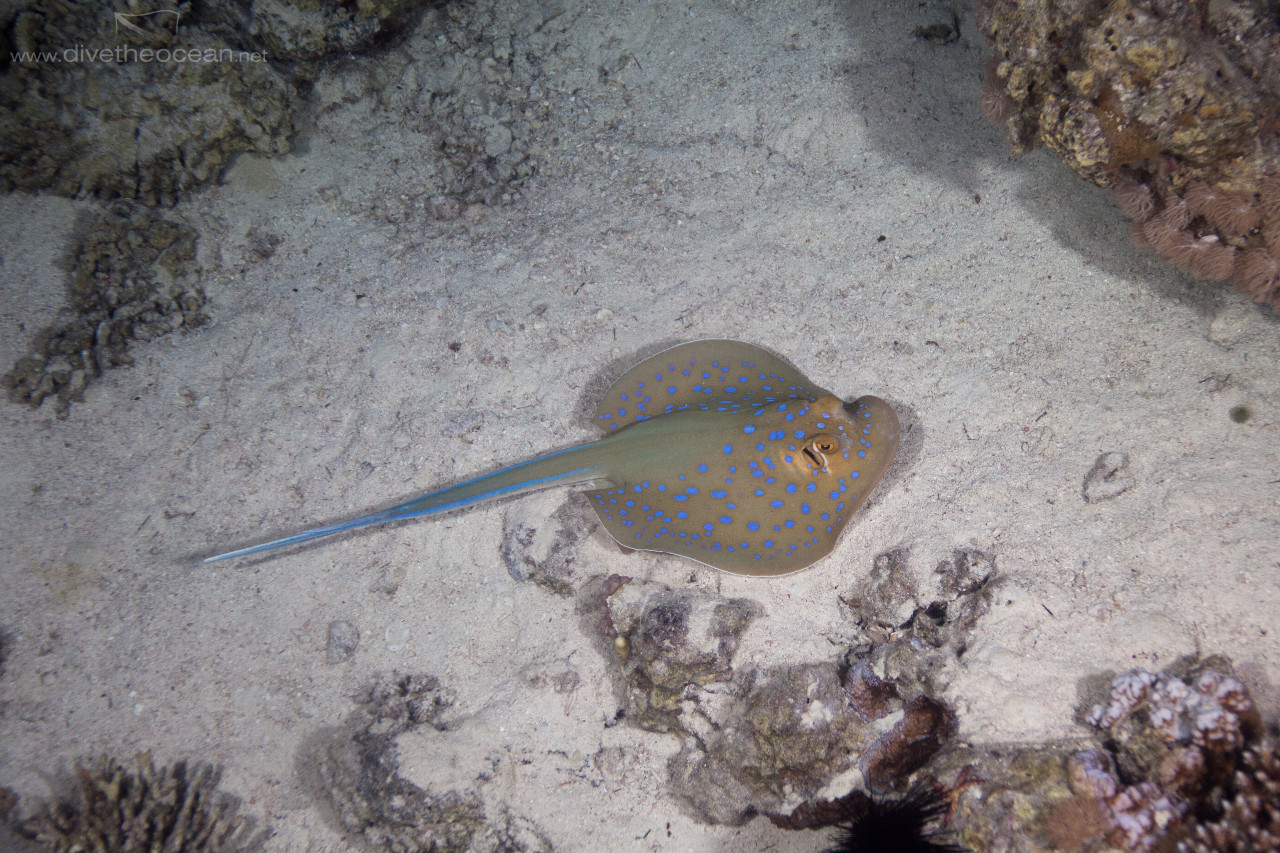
x: 733, y: 183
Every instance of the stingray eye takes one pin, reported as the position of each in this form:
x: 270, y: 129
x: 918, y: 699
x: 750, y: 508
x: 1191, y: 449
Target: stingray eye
x: 817, y: 449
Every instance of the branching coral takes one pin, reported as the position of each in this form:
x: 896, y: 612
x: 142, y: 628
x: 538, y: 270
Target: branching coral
x: 1214, y: 712
x: 117, y: 810
x: 1180, y: 739
x: 1175, y: 106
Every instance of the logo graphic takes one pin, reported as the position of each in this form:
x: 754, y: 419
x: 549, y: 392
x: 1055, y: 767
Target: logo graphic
x: 129, y: 21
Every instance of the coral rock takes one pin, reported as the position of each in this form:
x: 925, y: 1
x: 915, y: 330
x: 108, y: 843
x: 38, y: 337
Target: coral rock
x: 1176, y: 106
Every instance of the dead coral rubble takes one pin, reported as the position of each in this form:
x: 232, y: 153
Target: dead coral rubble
x: 134, y: 278
x: 1173, y: 105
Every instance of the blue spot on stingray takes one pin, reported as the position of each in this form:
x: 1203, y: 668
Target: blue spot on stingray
x: 749, y: 428
x: 671, y: 389
x: 759, y: 493
x: 791, y: 488
x: 679, y: 497
x: 682, y: 514
x: 811, y: 487
x: 724, y: 519
x: 692, y: 490
x: 719, y: 493
x: 708, y: 527
x: 788, y: 524
x: 804, y: 508
x: 834, y: 496
x: 728, y: 448
x: 790, y: 416
x: 662, y: 488
x: 799, y: 433
x: 776, y: 504
x: 768, y: 543
x: 702, y: 469
x: 751, y: 525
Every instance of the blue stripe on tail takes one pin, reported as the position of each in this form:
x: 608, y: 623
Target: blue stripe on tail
x: 401, y: 511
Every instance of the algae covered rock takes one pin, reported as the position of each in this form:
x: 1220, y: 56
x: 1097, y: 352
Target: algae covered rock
x: 676, y: 642
x: 100, y: 103
x: 758, y: 739
x: 360, y: 773
x: 295, y: 30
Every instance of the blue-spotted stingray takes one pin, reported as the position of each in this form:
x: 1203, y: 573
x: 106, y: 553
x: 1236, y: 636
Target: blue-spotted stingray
x: 717, y: 451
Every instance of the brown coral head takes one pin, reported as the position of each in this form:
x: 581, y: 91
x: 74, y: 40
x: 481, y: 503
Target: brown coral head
x: 1134, y: 198
x: 1205, y: 257
x: 1230, y: 213
x: 1269, y: 200
x: 925, y: 725
x: 1257, y: 274
x: 1167, y: 234
x: 997, y: 105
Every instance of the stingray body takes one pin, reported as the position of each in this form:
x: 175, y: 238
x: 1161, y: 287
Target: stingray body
x: 717, y: 450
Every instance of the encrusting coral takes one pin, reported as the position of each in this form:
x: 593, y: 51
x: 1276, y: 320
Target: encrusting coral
x: 1173, y: 105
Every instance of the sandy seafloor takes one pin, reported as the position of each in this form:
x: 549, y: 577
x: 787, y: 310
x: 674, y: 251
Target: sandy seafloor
x: 806, y: 176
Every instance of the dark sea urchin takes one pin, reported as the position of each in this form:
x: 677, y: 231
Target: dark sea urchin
x: 909, y: 824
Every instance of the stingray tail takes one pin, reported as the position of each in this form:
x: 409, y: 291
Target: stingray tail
x: 540, y: 473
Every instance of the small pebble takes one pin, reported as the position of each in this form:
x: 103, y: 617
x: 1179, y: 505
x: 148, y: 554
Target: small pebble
x: 397, y: 636
x: 344, y: 638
